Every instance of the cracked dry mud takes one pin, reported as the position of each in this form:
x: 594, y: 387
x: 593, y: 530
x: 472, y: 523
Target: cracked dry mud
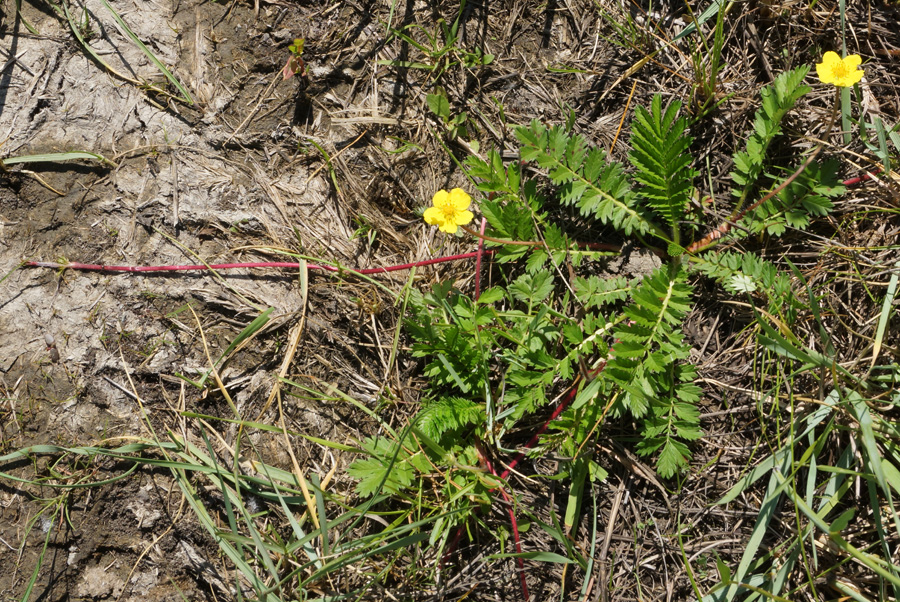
x: 183, y: 183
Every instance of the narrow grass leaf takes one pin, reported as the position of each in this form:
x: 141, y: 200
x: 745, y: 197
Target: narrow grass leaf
x: 838, y: 484
x: 57, y: 157
x: 576, y: 490
x: 882, y: 144
x: 248, y: 331
x: 297, y: 530
x: 884, y: 318
x: 185, y: 95
x: 40, y: 561
x: 766, y: 511
x: 711, y: 11
x: 891, y: 474
x: 875, y: 564
x: 873, y: 455
x: 194, y: 501
x: 789, y: 561
x: 589, y: 569
x: 25, y: 22
x: 323, y: 516
x: 452, y: 371
x: 76, y: 31
x: 766, y: 466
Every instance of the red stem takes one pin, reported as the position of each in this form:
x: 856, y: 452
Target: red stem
x: 231, y: 266
x: 566, y: 401
x: 570, y: 396
x: 515, y: 527
x: 520, y: 563
x: 862, y: 178
x: 534, y: 438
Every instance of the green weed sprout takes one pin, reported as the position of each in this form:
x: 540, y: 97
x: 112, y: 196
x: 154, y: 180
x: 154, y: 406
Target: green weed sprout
x: 497, y: 358
x: 295, y: 63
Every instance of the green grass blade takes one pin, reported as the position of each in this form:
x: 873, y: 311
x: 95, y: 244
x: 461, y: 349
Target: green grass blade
x: 764, y: 467
x: 579, y: 474
x: 882, y: 144
x: 711, y: 11
x: 891, y: 474
x: 895, y: 138
x: 25, y: 22
x: 766, y: 511
x: 875, y: 564
x: 56, y: 157
x: 320, y: 510
x: 589, y: 568
x: 838, y: 484
x: 874, y: 462
x: 185, y: 95
x: 194, y: 501
x: 248, y: 331
x: 884, y: 318
x: 296, y: 529
x: 40, y: 561
x: 789, y: 562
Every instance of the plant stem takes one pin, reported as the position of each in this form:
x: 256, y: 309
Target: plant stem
x: 229, y: 266
x: 595, y: 246
x: 738, y: 215
x: 528, y: 243
x: 478, y: 260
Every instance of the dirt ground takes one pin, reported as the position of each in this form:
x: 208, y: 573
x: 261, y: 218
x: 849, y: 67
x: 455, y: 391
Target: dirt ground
x: 243, y: 172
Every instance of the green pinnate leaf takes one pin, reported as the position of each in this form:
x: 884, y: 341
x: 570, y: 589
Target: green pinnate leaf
x: 599, y: 189
x: 447, y: 414
x: 776, y: 100
x: 492, y: 295
x: 594, y: 291
x: 740, y: 283
x: 532, y: 288
x: 659, y: 153
x: 673, y: 458
x: 387, y: 468
x: 536, y: 260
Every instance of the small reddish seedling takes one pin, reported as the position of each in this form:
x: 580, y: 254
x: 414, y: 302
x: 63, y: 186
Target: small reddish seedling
x: 295, y: 64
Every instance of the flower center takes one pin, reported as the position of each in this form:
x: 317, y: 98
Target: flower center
x: 839, y: 70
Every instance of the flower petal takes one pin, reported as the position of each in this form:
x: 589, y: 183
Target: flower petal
x: 460, y: 199
x: 825, y: 69
x: 839, y: 72
x: 463, y: 217
x: 853, y: 77
x: 852, y: 61
x: 448, y: 227
x: 441, y: 197
x: 433, y: 216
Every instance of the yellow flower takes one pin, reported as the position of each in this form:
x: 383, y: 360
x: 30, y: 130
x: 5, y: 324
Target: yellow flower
x: 840, y: 72
x: 451, y: 210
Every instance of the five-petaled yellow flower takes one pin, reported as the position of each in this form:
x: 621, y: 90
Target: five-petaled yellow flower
x: 451, y: 210
x: 840, y: 72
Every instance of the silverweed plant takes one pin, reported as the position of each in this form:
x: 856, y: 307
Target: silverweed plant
x: 559, y: 332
